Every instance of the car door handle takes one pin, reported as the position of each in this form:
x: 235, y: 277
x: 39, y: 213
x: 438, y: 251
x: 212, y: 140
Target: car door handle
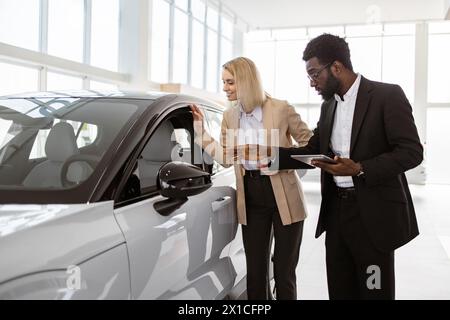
x: 220, y: 203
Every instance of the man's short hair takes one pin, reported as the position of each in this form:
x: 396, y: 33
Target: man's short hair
x: 328, y: 48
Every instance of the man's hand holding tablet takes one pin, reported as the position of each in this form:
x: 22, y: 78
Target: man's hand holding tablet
x: 312, y: 158
x: 337, y: 167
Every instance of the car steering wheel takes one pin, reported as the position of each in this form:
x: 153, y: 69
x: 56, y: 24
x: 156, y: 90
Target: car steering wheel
x: 91, y: 160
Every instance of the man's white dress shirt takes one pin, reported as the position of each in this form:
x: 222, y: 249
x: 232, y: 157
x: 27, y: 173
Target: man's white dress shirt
x: 342, y: 128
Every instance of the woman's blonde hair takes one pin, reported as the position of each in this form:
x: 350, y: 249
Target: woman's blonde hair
x: 250, y: 92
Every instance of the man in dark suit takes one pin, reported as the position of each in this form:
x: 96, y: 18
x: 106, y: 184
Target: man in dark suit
x: 367, y: 209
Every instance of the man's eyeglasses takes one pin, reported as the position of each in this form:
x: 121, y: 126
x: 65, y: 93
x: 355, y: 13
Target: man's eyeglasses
x: 314, y: 76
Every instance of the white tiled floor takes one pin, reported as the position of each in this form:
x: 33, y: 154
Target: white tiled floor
x: 422, y: 266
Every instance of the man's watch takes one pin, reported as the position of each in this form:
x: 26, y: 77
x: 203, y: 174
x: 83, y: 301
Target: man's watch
x: 360, y: 174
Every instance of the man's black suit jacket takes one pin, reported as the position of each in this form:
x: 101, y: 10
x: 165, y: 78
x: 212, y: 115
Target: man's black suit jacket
x: 384, y: 139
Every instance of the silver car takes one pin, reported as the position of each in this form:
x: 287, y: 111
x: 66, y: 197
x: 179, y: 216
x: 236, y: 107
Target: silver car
x: 106, y: 196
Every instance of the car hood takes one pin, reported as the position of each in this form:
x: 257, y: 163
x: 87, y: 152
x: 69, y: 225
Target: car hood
x: 37, y: 238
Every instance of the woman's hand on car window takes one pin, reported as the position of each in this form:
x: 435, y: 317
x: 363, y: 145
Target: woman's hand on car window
x: 198, y: 119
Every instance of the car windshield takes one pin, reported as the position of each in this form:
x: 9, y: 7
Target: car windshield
x: 57, y: 143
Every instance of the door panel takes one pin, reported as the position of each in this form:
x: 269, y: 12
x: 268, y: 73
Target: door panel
x: 183, y: 255
x: 226, y: 177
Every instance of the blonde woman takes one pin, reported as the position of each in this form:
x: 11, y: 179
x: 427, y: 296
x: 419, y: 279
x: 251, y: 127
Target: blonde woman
x: 263, y: 200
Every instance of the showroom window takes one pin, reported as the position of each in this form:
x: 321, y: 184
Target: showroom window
x: 20, y: 27
x: 437, y: 151
x: 160, y: 41
x: 263, y: 54
x: 198, y: 53
x: 182, y: 4
x: 193, y: 38
x: 66, y: 29
x: 83, y: 31
x: 17, y: 79
x: 198, y: 10
x: 366, y: 49
x: 226, y: 40
x: 180, y: 46
x: 438, y: 111
x: 398, y: 64
x: 438, y: 61
x: 378, y: 52
x: 97, y: 85
x: 226, y: 48
x: 58, y: 81
x: 293, y: 88
x: 309, y: 114
x: 212, y: 49
x: 189, y: 41
x: 385, y: 53
x: 105, y: 34
x: 212, y: 63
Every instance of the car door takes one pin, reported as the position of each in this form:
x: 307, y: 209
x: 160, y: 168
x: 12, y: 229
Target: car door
x: 226, y: 177
x: 183, y: 254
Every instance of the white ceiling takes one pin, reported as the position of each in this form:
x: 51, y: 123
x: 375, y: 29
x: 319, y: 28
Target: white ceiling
x: 295, y: 13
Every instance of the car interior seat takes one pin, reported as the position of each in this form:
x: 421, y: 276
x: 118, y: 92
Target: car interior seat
x: 60, y: 145
x: 159, y: 150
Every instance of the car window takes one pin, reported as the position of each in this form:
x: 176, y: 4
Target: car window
x: 54, y: 143
x: 7, y: 131
x: 214, y: 120
x: 169, y: 142
x: 182, y: 137
x: 160, y: 149
x: 85, y: 134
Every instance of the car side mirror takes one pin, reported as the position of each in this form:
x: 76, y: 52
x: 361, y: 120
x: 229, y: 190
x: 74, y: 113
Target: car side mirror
x: 177, y: 181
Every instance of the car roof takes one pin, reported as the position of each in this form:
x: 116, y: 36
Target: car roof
x: 115, y: 94
x: 151, y: 95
